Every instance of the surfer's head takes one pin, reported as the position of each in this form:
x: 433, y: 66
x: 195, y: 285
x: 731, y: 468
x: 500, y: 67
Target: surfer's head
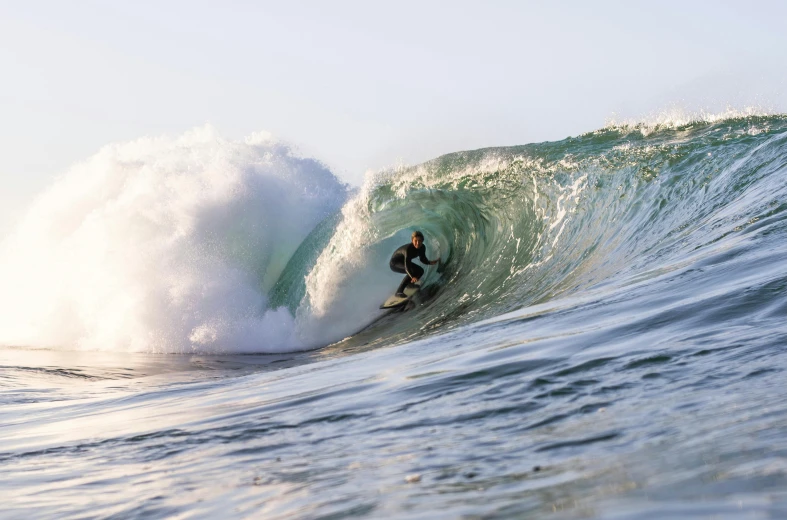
x: 417, y: 238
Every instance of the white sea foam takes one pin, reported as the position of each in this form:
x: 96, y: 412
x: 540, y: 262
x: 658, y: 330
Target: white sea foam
x: 677, y: 116
x: 164, y: 245
x: 344, y: 289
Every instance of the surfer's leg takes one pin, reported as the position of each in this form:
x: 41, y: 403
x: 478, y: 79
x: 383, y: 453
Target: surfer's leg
x: 405, y: 281
x: 398, y: 267
x: 416, y: 270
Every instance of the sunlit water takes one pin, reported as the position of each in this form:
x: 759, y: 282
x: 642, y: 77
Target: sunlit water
x: 605, y: 338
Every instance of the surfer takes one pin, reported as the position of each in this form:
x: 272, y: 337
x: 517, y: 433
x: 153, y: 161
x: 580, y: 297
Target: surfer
x: 402, y: 261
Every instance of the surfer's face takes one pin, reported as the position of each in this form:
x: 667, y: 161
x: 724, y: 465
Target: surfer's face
x: 417, y: 241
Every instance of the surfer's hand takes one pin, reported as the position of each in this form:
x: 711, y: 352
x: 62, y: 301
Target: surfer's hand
x: 415, y: 280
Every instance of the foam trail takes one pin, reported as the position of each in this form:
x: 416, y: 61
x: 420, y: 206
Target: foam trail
x: 164, y: 245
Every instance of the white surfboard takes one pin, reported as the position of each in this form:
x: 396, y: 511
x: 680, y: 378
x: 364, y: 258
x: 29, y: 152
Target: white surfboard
x: 397, y: 301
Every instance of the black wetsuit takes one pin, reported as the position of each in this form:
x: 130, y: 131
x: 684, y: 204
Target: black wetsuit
x: 402, y: 262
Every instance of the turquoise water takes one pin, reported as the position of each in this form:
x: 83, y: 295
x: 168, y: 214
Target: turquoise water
x: 605, y: 338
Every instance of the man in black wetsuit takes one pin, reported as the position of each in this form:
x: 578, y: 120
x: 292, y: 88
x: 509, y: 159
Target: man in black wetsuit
x: 402, y: 261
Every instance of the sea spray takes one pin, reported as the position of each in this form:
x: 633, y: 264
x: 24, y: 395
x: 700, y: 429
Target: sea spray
x: 164, y: 245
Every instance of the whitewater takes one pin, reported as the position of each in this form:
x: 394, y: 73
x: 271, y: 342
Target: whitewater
x: 190, y: 328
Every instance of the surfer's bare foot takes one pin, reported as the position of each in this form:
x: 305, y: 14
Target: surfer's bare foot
x: 400, y: 295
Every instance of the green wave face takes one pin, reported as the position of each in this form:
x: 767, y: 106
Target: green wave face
x: 526, y: 225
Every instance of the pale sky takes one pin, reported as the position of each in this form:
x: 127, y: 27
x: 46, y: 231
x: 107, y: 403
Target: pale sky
x: 364, y: 85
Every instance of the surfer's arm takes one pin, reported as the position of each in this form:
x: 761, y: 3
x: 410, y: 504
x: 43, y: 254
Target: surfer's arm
x: 423, y: 259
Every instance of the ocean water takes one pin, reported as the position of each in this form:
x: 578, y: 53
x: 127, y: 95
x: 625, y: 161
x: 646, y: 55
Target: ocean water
x: 190, y: 329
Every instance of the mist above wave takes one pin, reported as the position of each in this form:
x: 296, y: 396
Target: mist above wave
x: 164, y: 244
